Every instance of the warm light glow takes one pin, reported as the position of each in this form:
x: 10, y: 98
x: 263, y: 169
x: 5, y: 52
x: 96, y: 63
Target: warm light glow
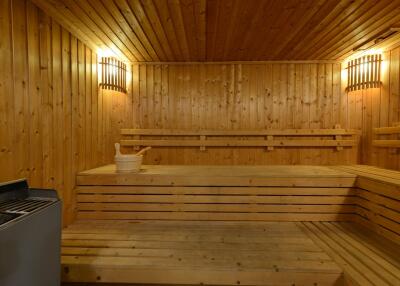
x: 363, y: 69
x: 384, y: 67
x: 113, y: 71
x: 344, y: 74
x: 128, y: 76
x: 105, y: 53
x: 113, y: 74
x: 371, y: 52
x: 363, y: 53
x: 364, y: 72
x: 101, y: 53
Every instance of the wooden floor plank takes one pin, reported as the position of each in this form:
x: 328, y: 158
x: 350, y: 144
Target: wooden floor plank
x: 88, y: 273
x: 188, y: 245
x: 278, y: 254
x: 196, y: 253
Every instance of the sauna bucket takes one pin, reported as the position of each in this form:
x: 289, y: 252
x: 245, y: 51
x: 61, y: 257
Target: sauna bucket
x: 127, y: 163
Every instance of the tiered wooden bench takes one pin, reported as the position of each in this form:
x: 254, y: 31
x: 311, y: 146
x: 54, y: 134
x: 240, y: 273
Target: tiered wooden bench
x: 367, y: 258
x: 379, y: 199
x: 217, y: 225
x: 266, y: 193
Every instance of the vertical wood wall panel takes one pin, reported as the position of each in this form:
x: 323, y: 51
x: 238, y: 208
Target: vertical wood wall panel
x: 242, y: 96
x: 381, y: 108
x: 52, y: 116
x: 7, y: 105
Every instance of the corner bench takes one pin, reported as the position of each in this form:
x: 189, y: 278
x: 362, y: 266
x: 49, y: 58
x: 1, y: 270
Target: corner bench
x: 189, y: 226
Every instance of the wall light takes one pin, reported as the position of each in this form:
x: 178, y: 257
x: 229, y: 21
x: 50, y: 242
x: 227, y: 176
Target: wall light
x: 364, y: 72
x: 113, y: 74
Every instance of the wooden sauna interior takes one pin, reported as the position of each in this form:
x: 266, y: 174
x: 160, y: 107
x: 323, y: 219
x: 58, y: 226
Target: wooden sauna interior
x: 274, y: 128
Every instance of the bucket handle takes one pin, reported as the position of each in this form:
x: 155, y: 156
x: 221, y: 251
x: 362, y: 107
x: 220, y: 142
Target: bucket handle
x: 141, y: 152
x: 117, y: 149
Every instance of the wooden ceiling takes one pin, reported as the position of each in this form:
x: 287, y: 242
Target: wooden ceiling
x: 225, y: 30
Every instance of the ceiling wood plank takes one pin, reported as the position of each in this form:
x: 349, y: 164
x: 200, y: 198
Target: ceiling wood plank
x: 240, y: 14
x: 151, y: 12
x: 188, y: 15
x: 253, y: 28
x: 86, y: 11
x: 277, y: 13
x: 98, y: 8
x: 200, y: 18
x: 137, y: 10
x: 102, y: 27
x: 212, y: 17
x: 292, y: 10
x: 70, y: 22
x: 224, y: 23
x: 177, y: 20
x: 166, y: 22
x: 225, y: 30
x: 325, y: 26
x: 135, y: 26
x: 302, y: 27
x: 385, y: 19
x: 241, y: 26
x: 342, y: 29
x: 106, y: 36
x: 130, y: 33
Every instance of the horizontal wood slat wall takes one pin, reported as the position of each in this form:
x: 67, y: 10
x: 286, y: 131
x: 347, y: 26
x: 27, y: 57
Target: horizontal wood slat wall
x: 228, y: 96
x: 53, y: 120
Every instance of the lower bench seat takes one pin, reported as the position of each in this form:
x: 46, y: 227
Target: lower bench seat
x: 228, y: 253
x: 378, y: 191
x: 365, y: 257
x: 195, y: 253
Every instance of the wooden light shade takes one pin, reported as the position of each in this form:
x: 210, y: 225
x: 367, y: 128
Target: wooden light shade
x: 113, y: 74
x: 364, y: 72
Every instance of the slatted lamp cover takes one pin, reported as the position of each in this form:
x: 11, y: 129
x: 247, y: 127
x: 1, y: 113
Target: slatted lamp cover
x: 364, y: 72
x: 113, y: 74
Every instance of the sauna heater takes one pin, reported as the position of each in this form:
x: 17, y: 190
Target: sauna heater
x: 30, y: 235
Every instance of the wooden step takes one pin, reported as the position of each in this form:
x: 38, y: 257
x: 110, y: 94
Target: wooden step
x: 366, y: 258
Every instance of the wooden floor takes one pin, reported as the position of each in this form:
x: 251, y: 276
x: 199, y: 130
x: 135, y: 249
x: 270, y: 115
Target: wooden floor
x: 212, y: 253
